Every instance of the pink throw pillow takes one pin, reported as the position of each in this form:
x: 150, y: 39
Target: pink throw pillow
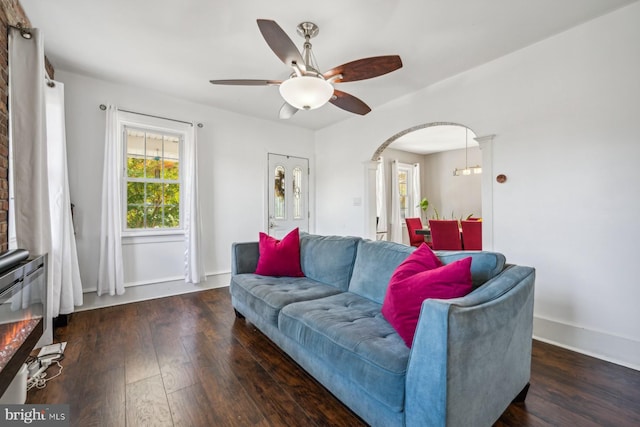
x: 405, y: 293
x: 280, y: 257
x: 420, y: 260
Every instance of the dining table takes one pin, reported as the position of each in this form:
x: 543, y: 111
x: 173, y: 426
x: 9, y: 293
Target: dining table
x: 423, y: 231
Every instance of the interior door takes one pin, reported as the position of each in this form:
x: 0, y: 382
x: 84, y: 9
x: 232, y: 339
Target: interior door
x: 288, y: 205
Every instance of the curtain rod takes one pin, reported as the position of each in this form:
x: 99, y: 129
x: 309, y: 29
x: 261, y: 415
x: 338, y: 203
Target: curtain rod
x: 26, y: 34
x: 200, y: 125
x: 24, y: 31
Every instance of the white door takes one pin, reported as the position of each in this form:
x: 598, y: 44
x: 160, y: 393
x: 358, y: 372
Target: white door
x: 288, y: 194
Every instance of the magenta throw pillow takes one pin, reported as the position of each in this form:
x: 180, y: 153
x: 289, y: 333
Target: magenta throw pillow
x: 280, y: 257
x: 405, y: 293
x: 420, y: 260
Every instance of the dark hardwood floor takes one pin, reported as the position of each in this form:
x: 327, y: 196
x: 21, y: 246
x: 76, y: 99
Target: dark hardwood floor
x: 187, y: 361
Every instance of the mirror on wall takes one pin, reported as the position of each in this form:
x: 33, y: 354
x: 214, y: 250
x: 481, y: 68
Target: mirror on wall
x: 439, y: 162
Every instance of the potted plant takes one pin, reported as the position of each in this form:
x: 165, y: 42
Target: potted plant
x: 424, y: 205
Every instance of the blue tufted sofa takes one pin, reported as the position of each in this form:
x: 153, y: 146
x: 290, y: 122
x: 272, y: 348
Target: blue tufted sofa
x: 470, y: 357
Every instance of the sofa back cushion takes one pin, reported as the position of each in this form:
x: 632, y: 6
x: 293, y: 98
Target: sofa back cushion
x: 328, y: 259
x: 377, y: 260
x: 484, y: 266
x: 375, y: 263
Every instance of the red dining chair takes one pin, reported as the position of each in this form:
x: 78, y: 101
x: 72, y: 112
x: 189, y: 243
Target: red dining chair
x: 414, y: 224
x: 445, y: 234
x: 472, y: 235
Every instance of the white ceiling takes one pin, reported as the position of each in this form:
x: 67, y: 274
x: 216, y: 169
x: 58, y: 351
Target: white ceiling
x: 176, y: 47
x: 435, y: 139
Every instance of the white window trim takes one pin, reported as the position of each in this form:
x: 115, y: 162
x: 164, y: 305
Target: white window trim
x: 162, y: 126
x: 410, y: 196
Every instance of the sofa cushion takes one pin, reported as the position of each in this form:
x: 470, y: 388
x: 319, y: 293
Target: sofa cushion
x: 350, y: 332
x: 485, y: 265
x: 374, y: 265
x: 267, y: 295
x: 328, y: 259
x: 280, y: 257
x: 406, y: 292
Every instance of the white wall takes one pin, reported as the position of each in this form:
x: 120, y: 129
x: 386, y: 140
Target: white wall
x: 454, y: 197
x: 232, y: 156
x: 565, y: 113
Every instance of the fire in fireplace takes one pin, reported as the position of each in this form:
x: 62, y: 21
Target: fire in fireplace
x: 22, y: 307
x: 14, y: 334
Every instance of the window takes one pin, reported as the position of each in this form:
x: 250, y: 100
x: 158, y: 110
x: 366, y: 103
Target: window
x: 405, y: 182
x: 153, y: 179
x: 297, y: 190
x: 279, y: 193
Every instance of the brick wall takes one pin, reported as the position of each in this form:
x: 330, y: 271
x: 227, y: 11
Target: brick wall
x: 11, y: 13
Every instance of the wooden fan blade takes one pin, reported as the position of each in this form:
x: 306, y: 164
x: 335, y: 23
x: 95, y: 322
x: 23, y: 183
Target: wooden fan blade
x: 287, y: 111
x: 280, y: 43
x: 246, y: 82
x: 349, y: 103
x: 365, y: 68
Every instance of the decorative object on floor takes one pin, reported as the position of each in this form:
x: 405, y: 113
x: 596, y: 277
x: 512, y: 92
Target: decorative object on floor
x: 307, y: 88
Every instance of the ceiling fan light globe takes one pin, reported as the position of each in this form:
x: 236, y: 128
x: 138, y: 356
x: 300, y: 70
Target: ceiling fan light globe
x: 306, y: 92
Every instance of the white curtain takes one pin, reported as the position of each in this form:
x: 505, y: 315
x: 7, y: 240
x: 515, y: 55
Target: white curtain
x: 396, y: 219
x: 27, y: 132
x: 110, y: 269
x: 63, y: 258
x: 29, y: 201
x: 415, y: 188
x: 381, y: 197
x: 194, y: 267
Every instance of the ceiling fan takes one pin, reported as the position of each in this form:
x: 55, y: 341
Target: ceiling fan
x: 307, y: 88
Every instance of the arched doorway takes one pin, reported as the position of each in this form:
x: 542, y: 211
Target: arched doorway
x: 486, y: 187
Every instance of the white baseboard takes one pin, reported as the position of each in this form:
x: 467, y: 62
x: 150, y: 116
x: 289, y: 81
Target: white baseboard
x: 614, y: 349
x: 155, y: 282
x: 148, y: 291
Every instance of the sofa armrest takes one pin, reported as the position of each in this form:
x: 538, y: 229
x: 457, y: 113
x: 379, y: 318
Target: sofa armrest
x: 244, y: 257
x: 471, y: 356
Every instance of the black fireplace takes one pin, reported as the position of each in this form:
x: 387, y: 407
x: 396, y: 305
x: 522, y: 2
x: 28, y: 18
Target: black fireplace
x: 23, y: 294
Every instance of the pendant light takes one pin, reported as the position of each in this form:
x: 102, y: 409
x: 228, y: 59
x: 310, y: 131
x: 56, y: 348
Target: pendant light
x: 477, y: 169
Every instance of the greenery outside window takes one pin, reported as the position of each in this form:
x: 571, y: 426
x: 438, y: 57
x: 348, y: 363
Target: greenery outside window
x: 152, y: 179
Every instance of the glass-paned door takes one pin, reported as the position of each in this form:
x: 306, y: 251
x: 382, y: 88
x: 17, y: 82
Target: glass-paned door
x: 288, y: 204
